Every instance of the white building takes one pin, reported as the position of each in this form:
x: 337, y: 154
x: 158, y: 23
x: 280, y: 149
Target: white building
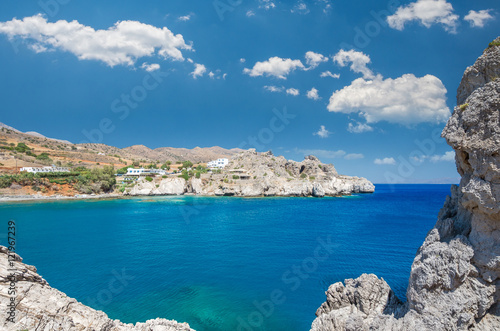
x: 44, y: 169
x: 144, y: 172
x: 219, y: 163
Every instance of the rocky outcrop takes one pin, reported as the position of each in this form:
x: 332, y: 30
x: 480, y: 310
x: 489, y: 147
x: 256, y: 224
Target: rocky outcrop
x: 41, y: 307
x: 261, y: 174
x: 455, y: 277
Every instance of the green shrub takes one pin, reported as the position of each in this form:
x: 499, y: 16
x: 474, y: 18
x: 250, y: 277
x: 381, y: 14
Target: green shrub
x: 149, y: 179
x: 265, y: 174
x: 198, y: 174
x: 226, y: 180
x: 43, y: 157
x: 5, y: 181
x: 464, y: 106
x: 164, y: 176
x: 236, y: 177
x: 187, y: 164
x: 22, y: 148
x: 303, y: 176
x: 312, y: 178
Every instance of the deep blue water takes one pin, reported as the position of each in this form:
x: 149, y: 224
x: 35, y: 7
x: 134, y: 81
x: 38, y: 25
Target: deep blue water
x: 214, y: 262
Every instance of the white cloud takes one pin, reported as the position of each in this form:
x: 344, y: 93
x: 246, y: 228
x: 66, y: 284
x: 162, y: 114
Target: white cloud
x: 354, y: 156
x: 292, y: 91
x: 190, y: 60
x: 211, y: 75
x: 385, y: 161
x: 150, y: 67
x: 358, y: 61
x: 478, y: 18
x: 314, y: 59
x: 224, y: 76
x: 321, y: 153
x: 329, y: 74
x: 275, y: 66
x: 267, y: 4
x: 322, y: 132
x: 242, y: 60
x: 427, y: 12
x: 313, y: 94
x: 199, y: 70
x: 250, y: 13
x: 405, y: 100
x: 184, y: 18
x: 121, y: 44
x: 272, y: 88
x: 447, y: 157
x: 359, y: 127
x: 300, y: 8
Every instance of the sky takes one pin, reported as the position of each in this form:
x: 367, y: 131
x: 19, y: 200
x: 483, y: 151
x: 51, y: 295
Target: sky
x: 365, y: 85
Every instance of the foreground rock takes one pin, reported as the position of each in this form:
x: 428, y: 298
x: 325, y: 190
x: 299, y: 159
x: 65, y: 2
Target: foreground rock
x: 261, y: 174
x: 43, y: 308
x: 455, y: 277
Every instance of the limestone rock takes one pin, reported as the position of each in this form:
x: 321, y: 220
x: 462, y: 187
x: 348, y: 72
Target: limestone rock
x: 41, y: 307
x: 455, y: 277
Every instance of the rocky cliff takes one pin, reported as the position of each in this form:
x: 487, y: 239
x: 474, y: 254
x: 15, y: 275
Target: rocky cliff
x: 41, y: 307
x: 261, y: 174
x: 455, y: 277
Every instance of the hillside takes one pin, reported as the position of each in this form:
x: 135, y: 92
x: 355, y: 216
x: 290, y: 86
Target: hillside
x: 65, y: 153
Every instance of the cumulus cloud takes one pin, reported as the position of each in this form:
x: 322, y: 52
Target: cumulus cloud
x: 300, y: 8
x: 199, y: 70
x: 359, y: 127
x: 478, y: 18
x: 267, y: 4
x: 121, y: 44
x: 272, y: 88
x: 150, y: 67
x: 446, y: 157
x: 329, y: 74
x: 184, y: 18
x: 314, y: 59
x: 242, y: 60
x: 211, y: 75
x: 322, y: 132
x: 405, y: 100
x: 427, y: 12
x: 275, y: 66
x: 385, y: 161
x: 321, y: 153
x: 313, y: 94
x: 354, y: 156
x: 358, y: 61
x: 292, y: 91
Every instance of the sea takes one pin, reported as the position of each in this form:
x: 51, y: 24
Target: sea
x: 222, y: 263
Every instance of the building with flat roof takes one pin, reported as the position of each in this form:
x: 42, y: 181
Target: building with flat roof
x: 217, y: 164
x: 44, y: 169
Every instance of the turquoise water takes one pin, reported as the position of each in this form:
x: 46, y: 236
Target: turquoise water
x: 222, y: 263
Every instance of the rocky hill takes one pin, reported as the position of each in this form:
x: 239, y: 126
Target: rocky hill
x: 250, y: 173
x: 455, y: 277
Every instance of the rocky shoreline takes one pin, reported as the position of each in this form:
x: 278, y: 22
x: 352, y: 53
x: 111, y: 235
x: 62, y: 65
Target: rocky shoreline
x: 455, y: 277
x: 253, y: 174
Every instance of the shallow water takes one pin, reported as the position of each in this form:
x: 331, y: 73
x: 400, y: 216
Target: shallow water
x: 218, y: 262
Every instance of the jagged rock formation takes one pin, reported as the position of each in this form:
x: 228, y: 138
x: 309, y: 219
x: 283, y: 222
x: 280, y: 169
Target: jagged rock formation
x: 455, y: 277
x: 261, y: 174
x: 41, y: 307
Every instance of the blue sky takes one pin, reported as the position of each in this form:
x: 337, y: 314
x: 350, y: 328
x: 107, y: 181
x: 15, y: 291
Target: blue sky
x: 365, y: 85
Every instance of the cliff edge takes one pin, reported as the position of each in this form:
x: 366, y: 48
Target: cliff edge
x: 455, y: 277
x: 37, y: 306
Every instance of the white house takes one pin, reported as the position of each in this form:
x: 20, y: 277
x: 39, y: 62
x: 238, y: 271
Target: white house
x: 144, y: 172
x: 44, y: 169
x: 219, y: 163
